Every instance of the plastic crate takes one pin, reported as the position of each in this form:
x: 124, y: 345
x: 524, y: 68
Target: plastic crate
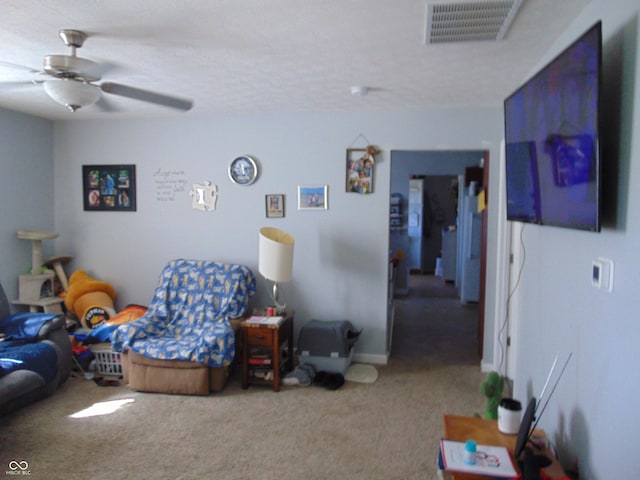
x: 327, y: 345
x: 108, y: 362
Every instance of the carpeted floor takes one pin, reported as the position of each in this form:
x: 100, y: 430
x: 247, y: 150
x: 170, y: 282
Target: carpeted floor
x: 388, y: 429
x: 433, y: 327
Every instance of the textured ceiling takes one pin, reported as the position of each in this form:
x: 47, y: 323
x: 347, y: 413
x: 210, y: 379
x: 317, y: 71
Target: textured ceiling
x: 257, y: 56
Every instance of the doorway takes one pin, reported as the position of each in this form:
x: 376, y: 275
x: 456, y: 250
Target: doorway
x: 418, y: 282
x: 432, y: 327
x: 432, y: 208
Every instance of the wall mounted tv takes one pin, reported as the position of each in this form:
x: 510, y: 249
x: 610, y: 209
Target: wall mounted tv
x: 552, y: 140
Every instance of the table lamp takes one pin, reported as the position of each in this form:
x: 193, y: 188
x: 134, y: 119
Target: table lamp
x: 275, y: 260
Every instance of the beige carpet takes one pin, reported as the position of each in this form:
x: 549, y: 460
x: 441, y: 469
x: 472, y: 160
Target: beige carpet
x: 384, y: 430
x: 388, y: 429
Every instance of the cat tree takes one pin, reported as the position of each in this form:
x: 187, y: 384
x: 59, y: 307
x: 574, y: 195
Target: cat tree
x: 31, y: 286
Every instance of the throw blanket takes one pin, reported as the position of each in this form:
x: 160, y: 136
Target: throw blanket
x: 25, y: 326
x: 21, y: 350
x: 188, y: 318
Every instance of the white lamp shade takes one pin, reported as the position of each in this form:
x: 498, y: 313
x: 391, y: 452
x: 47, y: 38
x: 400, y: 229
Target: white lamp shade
x: 72, y: 93
x: 275, y: 255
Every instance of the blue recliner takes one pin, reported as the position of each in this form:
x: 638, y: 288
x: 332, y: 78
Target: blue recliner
x: 35, y: 356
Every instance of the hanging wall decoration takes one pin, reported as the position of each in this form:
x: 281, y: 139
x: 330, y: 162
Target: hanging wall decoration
x: 274, y: 204
x: 204, y: 196
x: 314, y: 197
x: 109, y: 187
x: 360, y: 163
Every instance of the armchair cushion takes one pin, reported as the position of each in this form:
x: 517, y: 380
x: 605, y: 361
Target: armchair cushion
x: 40, y: 358
x: 188, y: 318
x: 35, y: 356
x: 21, y: 349
x: 30, y: 326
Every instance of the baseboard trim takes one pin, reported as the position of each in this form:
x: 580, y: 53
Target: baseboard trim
x: 374, y: 359
x: 486, y: 367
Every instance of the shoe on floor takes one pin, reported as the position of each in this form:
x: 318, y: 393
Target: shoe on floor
x: 329, y: 380
x: 309, y: 369
x: 299, y: 376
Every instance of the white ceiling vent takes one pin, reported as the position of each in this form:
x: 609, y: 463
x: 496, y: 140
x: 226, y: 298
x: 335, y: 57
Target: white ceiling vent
x: 470, y: 21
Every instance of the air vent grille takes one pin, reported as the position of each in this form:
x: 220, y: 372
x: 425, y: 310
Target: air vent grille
x: 469, y: 21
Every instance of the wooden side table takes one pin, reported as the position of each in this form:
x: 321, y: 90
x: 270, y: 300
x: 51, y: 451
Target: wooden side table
x: 261, y: 351
x: 483, y: 431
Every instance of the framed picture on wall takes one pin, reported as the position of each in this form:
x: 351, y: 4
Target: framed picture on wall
x: 313, y: 197
x: 359, y: 170
x: 109, y: 188
x: 274, y: 204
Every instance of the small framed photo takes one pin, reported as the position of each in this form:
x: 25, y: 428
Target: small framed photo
x: 313, y: 197
x: 109, y: 187
x: 274, y: 205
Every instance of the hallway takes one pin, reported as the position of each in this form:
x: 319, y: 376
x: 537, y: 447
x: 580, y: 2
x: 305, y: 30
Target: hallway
x: 432, y: 327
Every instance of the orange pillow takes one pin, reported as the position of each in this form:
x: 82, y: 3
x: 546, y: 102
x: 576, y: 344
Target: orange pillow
x: 127, y: 314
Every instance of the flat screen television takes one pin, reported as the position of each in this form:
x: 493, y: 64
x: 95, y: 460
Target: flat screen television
x: 552, y: 128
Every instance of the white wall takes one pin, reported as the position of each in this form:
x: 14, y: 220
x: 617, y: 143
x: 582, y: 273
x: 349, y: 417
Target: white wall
x: 26, y: 190
x: 341, y: 257
x: 593, y: 414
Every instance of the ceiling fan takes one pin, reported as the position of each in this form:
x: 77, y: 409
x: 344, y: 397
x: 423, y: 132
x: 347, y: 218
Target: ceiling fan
x: 72, y: 81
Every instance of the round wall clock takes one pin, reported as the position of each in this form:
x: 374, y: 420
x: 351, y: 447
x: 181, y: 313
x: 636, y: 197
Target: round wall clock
x: 243, y: 170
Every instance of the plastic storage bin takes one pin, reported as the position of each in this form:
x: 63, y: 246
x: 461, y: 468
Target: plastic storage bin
x: 327, y: 345
x: 108, y: 362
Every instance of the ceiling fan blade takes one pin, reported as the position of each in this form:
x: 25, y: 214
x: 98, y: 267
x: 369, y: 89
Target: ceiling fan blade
x: 106, y: 106
x: 17, y: 85
x: 106, y: 66
x: 16, y: 66
x: 147, y: 96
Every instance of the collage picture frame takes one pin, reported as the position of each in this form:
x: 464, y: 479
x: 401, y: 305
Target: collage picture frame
x: 109, y: 188
x: 359, y: 171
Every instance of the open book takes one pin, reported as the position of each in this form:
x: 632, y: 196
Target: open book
x: 491, y: 461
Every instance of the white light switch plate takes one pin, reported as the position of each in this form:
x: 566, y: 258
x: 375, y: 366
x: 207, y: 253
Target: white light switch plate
x: 602, y: 274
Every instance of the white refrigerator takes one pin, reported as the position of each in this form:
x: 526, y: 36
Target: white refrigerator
x: 469, y: 247
x: 415, y: 223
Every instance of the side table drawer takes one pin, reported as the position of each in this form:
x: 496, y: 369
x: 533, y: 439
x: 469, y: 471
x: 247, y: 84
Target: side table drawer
x: 260, y: 337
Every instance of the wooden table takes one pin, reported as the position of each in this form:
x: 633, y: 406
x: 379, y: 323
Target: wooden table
x: 263, y: 343
x: 484, y: 432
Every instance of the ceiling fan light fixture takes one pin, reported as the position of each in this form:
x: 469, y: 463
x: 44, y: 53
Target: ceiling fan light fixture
x: 73, y: 94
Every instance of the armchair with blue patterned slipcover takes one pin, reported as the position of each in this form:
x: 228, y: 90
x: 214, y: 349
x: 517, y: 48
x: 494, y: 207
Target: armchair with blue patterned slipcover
x: 186, y: 341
